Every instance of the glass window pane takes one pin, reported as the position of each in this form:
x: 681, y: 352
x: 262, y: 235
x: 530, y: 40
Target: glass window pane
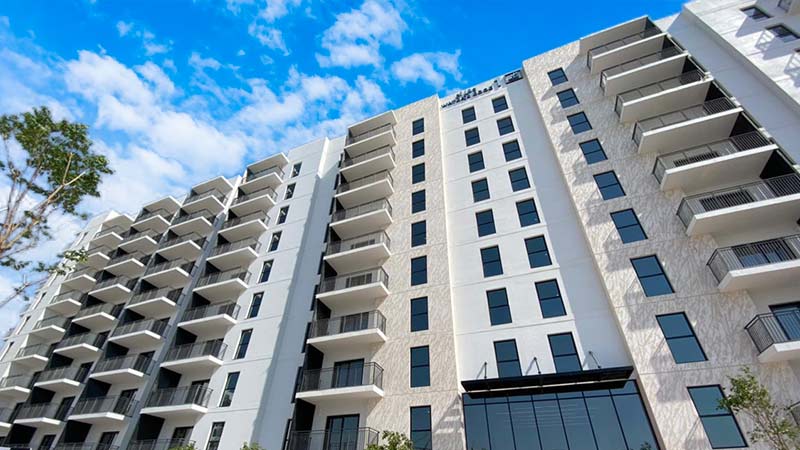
x: 476, y: 427
x: 523, y: 422
x: 576, y: 424
x: 608, y: 432
x: 551, y: 428
x: 634, y: 422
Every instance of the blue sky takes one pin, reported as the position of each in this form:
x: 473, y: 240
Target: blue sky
x: 177, y: 91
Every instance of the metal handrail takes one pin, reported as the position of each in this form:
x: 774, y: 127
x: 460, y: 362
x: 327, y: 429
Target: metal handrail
x: 363, y: 181
x: 221, y: 309
x: 90, y: 272
x: 140, y: 234
x: 159, y: 212
x: 259, y: 193
x: 352, y: 139
x: 232, y: 222
x: 47, y: 410
x: 774, y: 328
x: 109, y: 308
x: 378, y: 237
x: 154, y: 325
x: 215, y: 348
x: 58, y: 321
x: 352, y: 439
x: 262, y: 173
x: 6, y: 415
x: 160, y: 444
x: 115, y: 229
x: 102, y: 248
x: 194, y: 237
x: 754, y: 254
x: 183, y: 264
x: 615, y: 44
x: 685, y: 78
x: 185, y: 395
x: 67, y: 372
x: 25, y: 381
x: 704, y: 109
x: 641, y: 61
x: 366, y: 208
x: 37, y: 349
x: 107, y: 404
x: 237, y: 245
x: 121, y: 279
x: 139, y: 256
x: 204, y: 213
x: 93, y: 339
x: 385, y: 150
x: 219, y: 195
x: 76, y: 295
x: 347, y: 324
x: 219, y: 277
x: 139, y: 363
x: 83, y: 446
x: 370, y: 373
x: 167, y: 292
x: 353, y: 280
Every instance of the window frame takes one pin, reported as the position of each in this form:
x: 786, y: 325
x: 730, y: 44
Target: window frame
x: 418, y: 201
x: 504, y: 362
x: 474, y: 139
x: 255, y: 305
x: 275, y: 241
x: 781, y: 31
x: 418, y: 148
x: 727, y: 413
x: 537, y: 253
x: 574, y: 352
x: 569, y: 97
x: 418, y: 126
x: 415, y: 367
x: 289, y: 191
x: 515, y: 183
x: 546, y: 300
x: 757, y: 15
x: 417, y: 233
x: 296, y: 168
x: 622, y: 227
x: 418, y: 173
x: 480, y: 161
x: 425, y: 430
x: 477, y: 193
x: 586, y: 152
x: 464, y: 117
x: 535, y: 213
x: 606, y: 187
x: 505, y: 125
x: 419, y: 271
x: 234, y: 377
x: 512, y: 150
x: 580, y: 123
x: 487, y: 216
x: 662, y: 273
x: 418, y: 314
x: 692, y: 335
x: 557, y: 76
x: 499, y: 104
x: 484, y: 262
x: 499, y: 314
x: 283, y: 214
x: 245, y: 336
x: 266, y: 271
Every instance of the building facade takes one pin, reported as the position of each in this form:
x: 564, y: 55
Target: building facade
x: 577, y: 254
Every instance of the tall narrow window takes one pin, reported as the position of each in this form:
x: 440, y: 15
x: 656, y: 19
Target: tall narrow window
x: 421, y: 434
x: 557, y: 76
x: 419, y: 270
x: 511, y: 150
x: 475, y: 161
x: 274, y: 241
x: 215, y: 436
x: 480, y: 190
x: 418, y: 173
x: 681, y: 339
x: 418, y: 126
x: 296, y: 169
x: 472, y: 136
x: 282, y: 214
x: 519, y: 179
x: 289, y: 192
x: 567, y: 98
x: 528, y: 215
x: 592, y: 151
x: 579, y: 123
x: 505, y: 353
x: 499, y: 104
x: 419, y: 314
x: 538, y: 255
x: 550, y: 299
x: 782, y: 33
x: 266, y: 269
x: 420, y: 367
x: 755, y: 13
x: 255, y: 305
x: 651, y: 276
x: 499, y: 311
x: 417, y: 148
x: 418, y: 201
x: 419, y: 233
x: 490, y: 258
x: 609, y: 185
x: 230, y: 388
x: 244, y: 342
x: 719, y: 423
x: 628, y: 226
x: 565, y: 355
x: 505, y: 126
x: 468, y: 115
x: 485, y: 222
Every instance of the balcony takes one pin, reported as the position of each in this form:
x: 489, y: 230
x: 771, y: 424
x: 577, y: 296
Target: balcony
x: 624, y: 49
x: 368, y: 140
x: 157, y: 220
x: 64, y: 380
x: 34, y: 357
x: 198, y: 359
x: 84, y: 446
x: 350, y: 439
x: 160, y: 444
x: 363, y: 219
x: 139, y: 334
x: 169, y: 204
x: 80, y: 346
x: 113, y: 290
x: 271, y: 177
x: 81, y: 280
x: 187, y: 247
x: 365, y: 190
x: 367, y: 129
x: 258, y: 201
x: 363, y: 382
x: 142, y: 242
x: 212, y: 201
x: 200, y: 223
x: 238, y: 228
x: 772, y: 200
x: 6, y: 418
x: 103, y: 410
x: 359, y: 253
x: 156, y: 302
x: 99, y: 317
x: 67, y: 303
x: 220, y: 286
x: 41, y: 415
x: 234, y: 254
x: 109, y: 237
x: 187, y: 402
x: 772, y: 262
x: 776, y: 335
x: 379, y: 160
x: 51, y: 328
x: 124, y: 369
x: 172, y: 274
x: 210, y: 320
x: 354, y: 331
x: 97, y: 256
x: 663, y: 63
x: 722, y: 162
x: 129, y: 264
x: 667, y: 95
x: 707, y: 122
x: 16, y: 388
x: 355, y: 290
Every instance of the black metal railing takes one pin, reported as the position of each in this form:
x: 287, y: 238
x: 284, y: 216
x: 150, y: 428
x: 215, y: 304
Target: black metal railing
x: 57, y: 321
x: 380, y: 151
x: 163, y: 213
x: 93, y: 339
x: 364, y: 181
x: 232, y: 222
x: 215, y: 348
x: 22, y: 381
x: 139, y: 256
x: 204, y: 213
x: 74, y: 373
x: 115, y: 229
x: 642, y: 61
x: 102, y: 248
x: 347, y: 324
x: 705, y: 109
x: 82, y: 446
x: 774, y: 328
x: 182, y: 264
x: 167, y: 292
x: 194, y: 237
x: 348, y: 439
x: 219, y: 195
x: 360, y: 210
x: 107, y: 308
x: 233, y: 246
x: 186, y: 395
x: 90, y: 272
x: 139, y: 363
x: 152, y: 234
x: 367, y: 374
x: 126, y: 282
x: 43, y: 350
x: 379, y: 237
x: 159, y: 444
x: 42, y: 410
x: 754, y: 254
x: 259, y: 193
x: 262, y: 173
x: 657, y: 87
x: 80, y: 297
x: 621, y: 42
x: 218, y: 277
x: 156, y: 326
x: 352, y: 139
x: 110, y: 404
x: 354, y: 280
x: 6, y: 415
x: 224, y: 309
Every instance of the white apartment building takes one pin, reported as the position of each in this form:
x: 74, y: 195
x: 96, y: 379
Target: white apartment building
x: 577, y: 254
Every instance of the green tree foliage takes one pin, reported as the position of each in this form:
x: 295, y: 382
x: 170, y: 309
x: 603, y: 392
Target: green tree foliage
x: 251, y: 446
x: 393, y: 440
x: 189, y: 446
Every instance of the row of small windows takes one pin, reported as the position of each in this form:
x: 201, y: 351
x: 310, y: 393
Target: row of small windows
x: 505, y: 126
x: 518, y: 178
x: 511, y: 151
x: 779, y: 31
x: 562, y: 348
x: 498, y: 104
x: 526, y: 211
x: 548, y: 293
x: 538, y: 256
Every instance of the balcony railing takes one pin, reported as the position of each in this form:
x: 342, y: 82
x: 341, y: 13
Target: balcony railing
x: 139, y: 363
x: 95, y: 340
x: 354, y: 280
x: 116, y: 229
x: 23, y: 381
x: 233, y: 246
x: 69, y: 372
x: 766, y: 189
x: 708, y: 108
x: 107, y: 308
x: 369, y: 374
x: 139, y: 256
x: 167, y: 292
x: 140, y: 234
x: 232, y: 222
x: 200, y: 312
x: 599, y: 50
x: 187, y: 217
x: 81, y: 446
x: 57, y: 321
x: 774, y: 328
x: 219, y: 277
x: 366, y: 208
x: 6, y: 415
x: 186, y: 395
x: 729, y: 146
x: 159, y: 212
x: 124, y: 281
x: 88, y: 271
x: 186, y: 266
x: 650, y: 58
x: 262, y: 173
x: 379, y: 237
x: 360, y: 182
x: 347, y: 324
x: 754, y: 254
x: 215, y: 348
x: 212, y: 193
x: 46, y: 410
x: 38, y: 349
x: 74, y: 295
x: 351, y: 439
x: 194, y: 237
x: 160, y: 444
x: 385, y: 150
x: 658, y: 87
x: 260, y: 193
x: 94, y: 405
x: 352, y: 139
x: 102, y: 248
x: 156, y: 326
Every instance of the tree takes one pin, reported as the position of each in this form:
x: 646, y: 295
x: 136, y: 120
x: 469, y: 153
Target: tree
x: 251, y: 446
x: 49, y: 168
x: 393, y: 441
x: 189, y: 446
x: 771, y: 422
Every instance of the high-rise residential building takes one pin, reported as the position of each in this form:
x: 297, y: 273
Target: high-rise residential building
x: 574, y: 255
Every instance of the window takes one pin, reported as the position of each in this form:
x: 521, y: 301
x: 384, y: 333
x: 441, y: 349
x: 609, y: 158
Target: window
x: 492, y: 264
x: 475, y: 161
x: 296, y: 169
x: 755, y: 13
x: 505, y: 353
x: 526, y: 210
x: 499, y: 104
x: 266, y: 269
x: 420, y: 367
x: 681, y: 340
x: 609, y: 186
x: 519, y: 179
x: 215, y: 436
x: 499, y: 312
x: 719, y: 423
x: 485, y: 221
x: 468, y: 115
x: 628, y: 226
x: 480, y: 190
x: 783, y: 33
x: 418, y: 126
x: 419, y: 233
x: 505, y: 125
x: 419, y: 270
x: 230, y: 388
x: 472, y: 136
x: 550, y: 299
x: 421, y: 427
x: 418, y: 201
x: 538, y: 255
x: 579, y: 123
x: 274, y: 241
x: 567, y: 98
x: 255, y: 305
x: 282, y: 215
x: 244, y: 342
x: 511, y: 150
x: 419, y: 314
x: 418, y: 173
x: 565, y: 355
x: 651, y: 276
x: 593, y: 151
x: 418, y: 148
x: 289, y: 192
x: 557, y: 76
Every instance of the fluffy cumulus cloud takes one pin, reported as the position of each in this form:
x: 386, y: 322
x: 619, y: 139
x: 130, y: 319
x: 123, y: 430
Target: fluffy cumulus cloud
x: 430, y: 68
x: 263, y: 15
x: 148, y: 40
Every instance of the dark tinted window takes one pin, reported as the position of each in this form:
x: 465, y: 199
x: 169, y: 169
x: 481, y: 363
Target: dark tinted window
x: 255, y: 305
x: 499, y: 312
x: 511, y: 150
x: 557, y: 76
x: 418, y: 173
x: 490, y: 258
x: 505, y: 352
x: 480, y: 190
x: 283, y: 214
x: 593, y: 151
x: 682, y: 341
x: 485, y: 222
x: 528, y: 215
x: 420, y: 367
x: 505, y: 125
x: 418, y: 126
x: 782, y: 33
x: 579, y: 123
x: 609, y: 185
x: 755, y: 13
x: 519, y: 179
x: 418, y: 201
x: 419, y: 270
x: 628, y: 226
x: 565, y: 355
x: 475, y: 161
x: 550, y: 299
x: 468, y: 115
x: 417, y: 148
x: 538, y: 255
x: 567, y: 98
x: 244, y: 342
x: 499, y: 104
x: 472, y: 136
x: 421, y: 428
x: 419, y: 314
x: 419, y: 233
x: 266, y: 270
x: 651, y: 276
x: 719, y: 423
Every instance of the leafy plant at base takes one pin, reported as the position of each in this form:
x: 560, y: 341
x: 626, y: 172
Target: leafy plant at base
x: 393, y: 441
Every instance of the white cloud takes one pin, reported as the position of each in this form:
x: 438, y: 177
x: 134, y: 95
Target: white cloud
x: 241, y: 52
x: 262, y: 15
x: 124, y: 27
x: 149, y: 43
x: 268, y: 36
x: 429, y: 67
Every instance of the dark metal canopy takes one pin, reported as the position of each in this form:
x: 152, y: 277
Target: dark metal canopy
x: 608, y: 378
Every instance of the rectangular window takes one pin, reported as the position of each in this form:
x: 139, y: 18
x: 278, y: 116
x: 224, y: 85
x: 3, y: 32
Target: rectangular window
x: 505, y: 126
x: 550, y: 299
x: 628, y: 226
x: 419, y: 233
x: 420, y: 367
x: 492, y: 264
x: 519, y: 179
x: 538, y: 255
x: 593, y: 151
x: 651, y: 276
x: 468, y: 115
x: 289, y: 192
x: 782, y: 33
x: 505, y: 353
x: 480, y: 190
x: 475, y: 161
x: 528, y: 215
x: 609, y: 186
x: 681, y: 339
x: 567, y: 98
x: 419, y: 314
x: 255, y: 305
x: 485, y: 221
x: 215, y: 436
x: 719, y: 423
x: 418, y: 173
x: 266, y: 269
x: 418, y: 201
x: 244, y: 342
x: 421, y: 434
x: 511, y: 150
x: 418, y: 126
x: 472, y: 136
x: 419, y: 270
x: 296, y: 169
x: 579, y: 123
x: 499, y: 104
x: 499, y: 312
x: 755, y: 13
x: 230, y: 388
x: 565, y: 355
x: 557, y: 76
x: 274, y: 241
x: 282, y: 214
x: 418, y: 148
